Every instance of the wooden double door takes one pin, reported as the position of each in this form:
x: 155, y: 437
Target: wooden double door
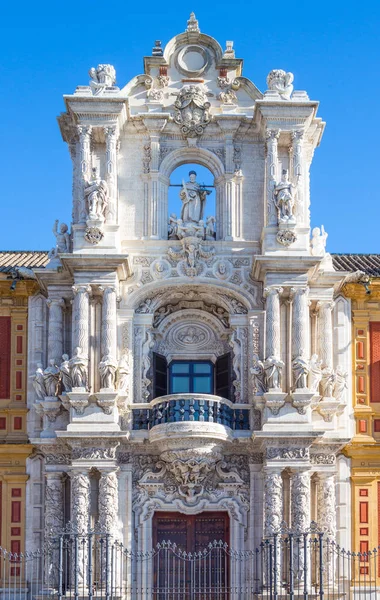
x: 193, y: 569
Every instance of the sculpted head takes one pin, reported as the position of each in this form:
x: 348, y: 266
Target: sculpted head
x: 316, y: 232
x: 65, y: 357
x: 64, y: 228
x: 192, y: 176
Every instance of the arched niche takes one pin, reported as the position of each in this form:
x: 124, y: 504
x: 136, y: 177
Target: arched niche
x: 192, y: 156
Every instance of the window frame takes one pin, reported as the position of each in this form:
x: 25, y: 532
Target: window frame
x: 191, y: 375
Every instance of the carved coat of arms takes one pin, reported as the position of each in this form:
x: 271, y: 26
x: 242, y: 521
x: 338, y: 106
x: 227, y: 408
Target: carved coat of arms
x: 192, y: 110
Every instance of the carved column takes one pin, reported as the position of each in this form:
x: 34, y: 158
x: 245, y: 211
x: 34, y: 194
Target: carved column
x: 326, y: 509
x: 111, y: 170
x: 84, y: 132
x: 273, y: 497
x: 273, y: 324
x: 300, y: 515
x: 81, y: 317
x: 272, y: 136
x: 54, y: 521
x: 298, y: 168
x: 108, y: 512
x: 300, y: 322
x: 325, y: 333
x: 109, y: 332
x: 55, y: 336
x: 108, y: 500
x: 80, y: 518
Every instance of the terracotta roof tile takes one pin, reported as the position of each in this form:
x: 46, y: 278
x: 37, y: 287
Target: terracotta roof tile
x: 369, y: 263
x: 27, y: 258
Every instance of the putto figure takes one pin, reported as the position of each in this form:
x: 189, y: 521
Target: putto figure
x: 281, y: 82
x: 284, y: 199
x: 318, y: 241
x: 102, y: 77
x: 63, y: 239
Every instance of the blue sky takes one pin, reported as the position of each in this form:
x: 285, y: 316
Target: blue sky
x: 331, y: 47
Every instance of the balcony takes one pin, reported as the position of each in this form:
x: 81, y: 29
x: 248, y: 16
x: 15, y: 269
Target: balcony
x: 190, y: 415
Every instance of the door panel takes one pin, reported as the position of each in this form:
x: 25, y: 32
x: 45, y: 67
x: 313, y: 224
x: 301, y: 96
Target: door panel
x: 187, y: 579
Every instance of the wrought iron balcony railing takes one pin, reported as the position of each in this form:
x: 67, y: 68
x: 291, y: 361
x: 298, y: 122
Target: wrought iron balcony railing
x: 191, y: 407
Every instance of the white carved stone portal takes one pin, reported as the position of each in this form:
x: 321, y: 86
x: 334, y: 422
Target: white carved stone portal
x: 130, y: 288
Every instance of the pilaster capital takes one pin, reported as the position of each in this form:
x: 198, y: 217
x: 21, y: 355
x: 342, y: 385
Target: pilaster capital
x: 55, y: 302
x: 106, y: 471
x: 107, y: 289
x: 56, y: 476
x: 273, y: 291
x: 82, y: 289
x: 299, y: 291
x: 272, y: 135
x: 325, y: 305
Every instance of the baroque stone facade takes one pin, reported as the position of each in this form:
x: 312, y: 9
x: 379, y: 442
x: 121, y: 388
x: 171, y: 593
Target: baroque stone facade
x: 198, y: 363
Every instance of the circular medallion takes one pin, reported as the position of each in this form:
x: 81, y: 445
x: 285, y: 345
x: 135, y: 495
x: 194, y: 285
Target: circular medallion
x: 192, y: 60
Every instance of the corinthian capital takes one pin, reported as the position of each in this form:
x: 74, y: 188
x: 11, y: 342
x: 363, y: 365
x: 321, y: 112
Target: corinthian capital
x: 110, y: 131
x: 297, y: 135
x: 55, y: 302
x: 84, y: 130
x: 272, y: 134
x: 273, y: 291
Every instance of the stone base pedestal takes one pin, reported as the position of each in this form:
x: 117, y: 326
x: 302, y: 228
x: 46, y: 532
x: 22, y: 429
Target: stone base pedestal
x: 106, y: 399
x: 93, y: 412
x: 328, y: 408
x: 301, y: 400
x: 274, y: 400
x: 78, y: 399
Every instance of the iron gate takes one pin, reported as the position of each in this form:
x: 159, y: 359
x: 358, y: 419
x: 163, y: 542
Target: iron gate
x: 285, y: 566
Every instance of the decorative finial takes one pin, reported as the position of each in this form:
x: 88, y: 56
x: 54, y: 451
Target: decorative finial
x: 229, y: 51
x: 157, y: 49
x: 192, y: 24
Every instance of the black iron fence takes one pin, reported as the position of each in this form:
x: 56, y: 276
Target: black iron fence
x: 94, y: 566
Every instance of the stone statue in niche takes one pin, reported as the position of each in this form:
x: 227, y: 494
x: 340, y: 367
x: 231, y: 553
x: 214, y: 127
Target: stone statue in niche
x: 78, y: 365
x: 273, y: 372
x: 193, y: 197
x: 122, y: 374
x: 315, y: 373
x: 281, y: 82
x: 107, y: 371
x: 210, y: 228
x: 39, y: 382
x: 51, y: 378
x: 102, y: 77
x: 284, y: 199
x: 328, y: 382
x: 65, y: 373
x: 96, y: 194
x: 340, y: 384
x: 173, y: 227
x: 63, y: 240
x: 318, y: 241
x: 300, y: 368
x: 258, y: 376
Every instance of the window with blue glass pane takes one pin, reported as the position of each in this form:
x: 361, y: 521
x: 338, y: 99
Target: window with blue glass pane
x: 191, y: 376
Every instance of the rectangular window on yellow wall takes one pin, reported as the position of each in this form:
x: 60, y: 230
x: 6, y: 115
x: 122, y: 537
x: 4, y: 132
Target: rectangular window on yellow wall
x: 375, y: 361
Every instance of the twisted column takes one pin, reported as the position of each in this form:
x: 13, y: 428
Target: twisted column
x: 84, y: 132
x: 273, y: 323
x: 55, y: 337
x: 111, y: 170
x: 300, y: 322
x: 109, y: 332
x: 108, y: 514
x: 80, y: 518
x: 325, y: 333
x: 81, y: 318
x: 272, y: 136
